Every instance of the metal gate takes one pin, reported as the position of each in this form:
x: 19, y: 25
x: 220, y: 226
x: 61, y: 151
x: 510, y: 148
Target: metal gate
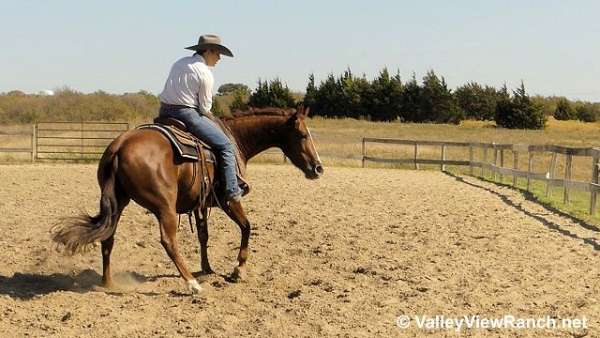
x: 74, y: 140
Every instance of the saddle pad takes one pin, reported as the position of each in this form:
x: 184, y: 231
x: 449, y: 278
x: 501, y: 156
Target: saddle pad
x: 185, y: 144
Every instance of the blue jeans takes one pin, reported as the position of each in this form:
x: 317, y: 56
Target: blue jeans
x: 210, y: 133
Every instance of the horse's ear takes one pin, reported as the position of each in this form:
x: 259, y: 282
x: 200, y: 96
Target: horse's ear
x: 301, y: 111
x: 293, y: 118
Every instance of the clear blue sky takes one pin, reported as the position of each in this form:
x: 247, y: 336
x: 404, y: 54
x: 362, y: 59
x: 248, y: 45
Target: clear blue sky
x: 124, y: 46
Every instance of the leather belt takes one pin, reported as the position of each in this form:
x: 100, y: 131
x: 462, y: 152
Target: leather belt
x: 176, y: 106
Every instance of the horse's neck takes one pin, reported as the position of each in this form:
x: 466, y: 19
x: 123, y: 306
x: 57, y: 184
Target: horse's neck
x: 255, y: 134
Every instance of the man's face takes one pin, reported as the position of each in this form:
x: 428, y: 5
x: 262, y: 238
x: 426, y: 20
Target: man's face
x: 211, y: 57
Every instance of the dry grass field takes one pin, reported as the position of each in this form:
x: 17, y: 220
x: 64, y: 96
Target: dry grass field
x: 339, y: 144
x: 339, y: 140
x: 342, y: 256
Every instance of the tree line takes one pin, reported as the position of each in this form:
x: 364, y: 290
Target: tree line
x: 388, y: 98
x: 69, y: 105
x: 384, y: 98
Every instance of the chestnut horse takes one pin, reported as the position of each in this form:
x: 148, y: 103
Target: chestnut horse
x: 140, y: 165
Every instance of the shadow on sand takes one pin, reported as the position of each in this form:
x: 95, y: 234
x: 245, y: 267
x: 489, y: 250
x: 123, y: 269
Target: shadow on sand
x: 546, y: 222
x: 26, y: 286
x: 29, y: 285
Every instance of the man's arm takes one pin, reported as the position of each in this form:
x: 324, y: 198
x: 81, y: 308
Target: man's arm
x: 205, y: 92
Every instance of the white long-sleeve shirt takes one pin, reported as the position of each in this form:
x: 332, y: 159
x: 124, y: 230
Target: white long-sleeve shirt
x: 190, y: 83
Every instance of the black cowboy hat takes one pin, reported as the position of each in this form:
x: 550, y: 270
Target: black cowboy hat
x: 210, y: 41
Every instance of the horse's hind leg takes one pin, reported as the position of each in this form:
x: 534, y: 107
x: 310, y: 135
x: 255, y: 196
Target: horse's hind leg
x: 107, y: 246
x: 202, y: 229
x: 168, y: 234
x: 235, y: 211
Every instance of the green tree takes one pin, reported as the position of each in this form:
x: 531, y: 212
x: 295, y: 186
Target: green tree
x: 327, y: 98
x: 15, y: 93
x: 351, y: 95
x: 240, y: 100
x: 411, y: 97
x: 281, y: 95
x: 564, y: 110
x: 586, y: 113
x: 476, y: 101
x: 272, y: 94
x: 519, y: 112
x: 310, y: 99
x: 437, y: 103
x: 385, y: 97
x: 230, y: 88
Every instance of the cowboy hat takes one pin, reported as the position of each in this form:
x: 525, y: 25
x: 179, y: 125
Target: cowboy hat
x: 210, y: 41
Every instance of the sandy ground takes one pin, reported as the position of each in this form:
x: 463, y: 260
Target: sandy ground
x: 341, y: 256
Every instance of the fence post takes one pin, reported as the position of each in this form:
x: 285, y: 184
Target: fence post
x: 485, y: 152
x: 551, y: 175
x: 529, y: 169
x: 82, y: 126
x: 443, y: 166
x: 568, y: 165
x: 595, y: 169
x: 501, y: 164
x: 363, y: 152
x: 495, y: 163
x: 515, y: 166
x: 471, y: 159
x: 33, y: 142
x: 416, y: 150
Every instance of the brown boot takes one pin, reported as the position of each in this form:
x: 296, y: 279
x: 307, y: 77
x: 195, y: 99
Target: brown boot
x: 243, y: 185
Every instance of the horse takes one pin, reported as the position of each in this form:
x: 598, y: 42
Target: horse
x: 141, y: 165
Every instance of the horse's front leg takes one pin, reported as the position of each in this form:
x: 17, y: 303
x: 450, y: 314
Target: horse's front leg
x: 236, y: 212
x: 168, y: 238
x: 202, y: 229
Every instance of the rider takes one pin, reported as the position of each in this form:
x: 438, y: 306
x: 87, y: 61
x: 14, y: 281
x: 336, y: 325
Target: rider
x: 188, y: 96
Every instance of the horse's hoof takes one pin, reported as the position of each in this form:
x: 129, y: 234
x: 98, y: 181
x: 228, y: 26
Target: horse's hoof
x: 194, y: 286
x: 101, y: 288
x: 107, y: 285
x: 238, y: 274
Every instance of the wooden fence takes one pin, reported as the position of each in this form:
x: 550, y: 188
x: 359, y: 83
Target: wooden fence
x: 20, y: 149
x: 496, y: 164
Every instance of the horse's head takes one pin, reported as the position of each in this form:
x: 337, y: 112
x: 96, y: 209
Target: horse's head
x: 299, y: 147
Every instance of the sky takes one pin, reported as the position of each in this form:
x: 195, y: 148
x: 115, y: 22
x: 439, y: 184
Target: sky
x: 126, y: 46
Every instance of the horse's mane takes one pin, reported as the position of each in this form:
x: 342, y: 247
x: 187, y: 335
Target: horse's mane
x: 268, y: 111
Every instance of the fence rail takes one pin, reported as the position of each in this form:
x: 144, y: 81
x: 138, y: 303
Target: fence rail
x: 497, y: 167
x: 74, y: 140
x: 62, y: 139
x: 20, y: 134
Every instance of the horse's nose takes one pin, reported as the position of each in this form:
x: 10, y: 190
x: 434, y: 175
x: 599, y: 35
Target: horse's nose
x: 318, y: 169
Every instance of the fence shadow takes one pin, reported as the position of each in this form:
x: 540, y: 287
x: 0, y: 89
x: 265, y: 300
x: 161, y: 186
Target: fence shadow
x: 546, y: 222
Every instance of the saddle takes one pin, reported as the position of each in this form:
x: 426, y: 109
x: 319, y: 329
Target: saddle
x: 190, y: 148
x: 186, y: 145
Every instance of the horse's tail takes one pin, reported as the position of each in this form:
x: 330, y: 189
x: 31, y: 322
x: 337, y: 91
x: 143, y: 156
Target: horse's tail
x: 76, y: 233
